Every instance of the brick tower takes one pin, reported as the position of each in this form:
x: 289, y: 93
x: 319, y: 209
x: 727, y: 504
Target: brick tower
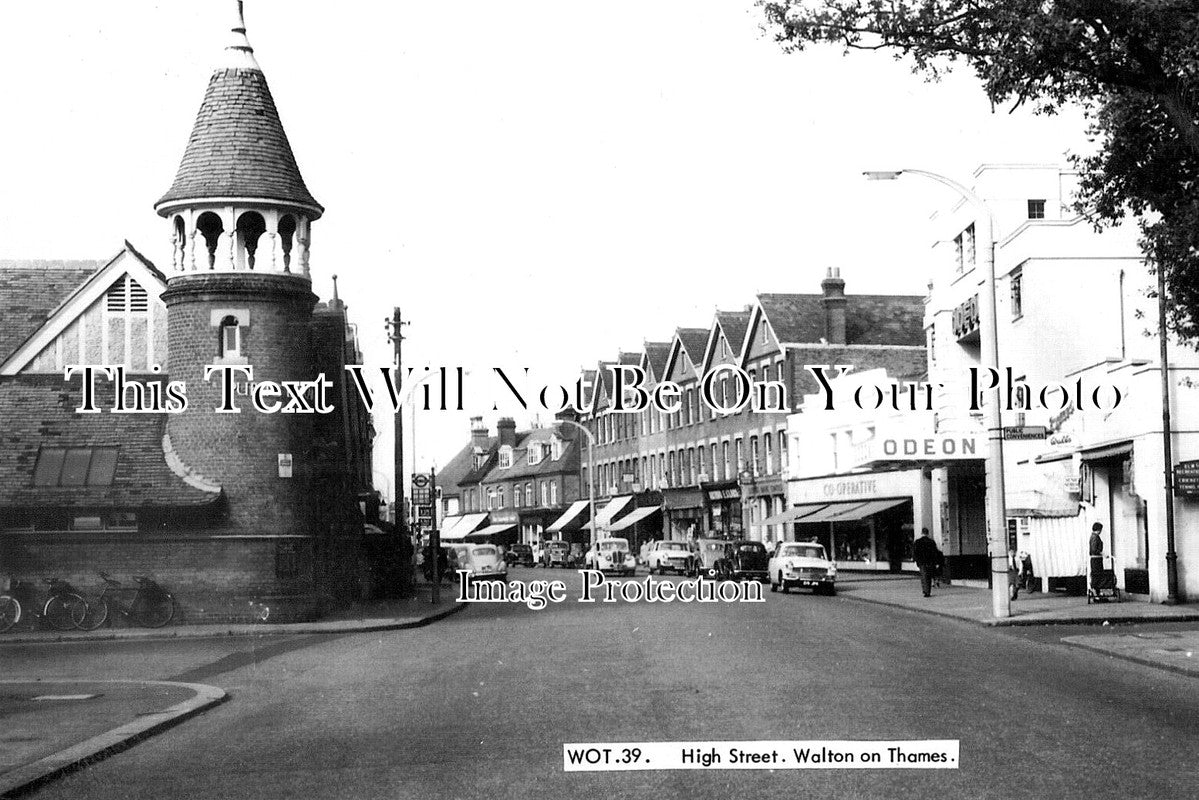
x: 240, y: 217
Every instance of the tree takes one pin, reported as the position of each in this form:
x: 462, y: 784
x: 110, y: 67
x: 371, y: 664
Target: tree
x: 1133, y: 66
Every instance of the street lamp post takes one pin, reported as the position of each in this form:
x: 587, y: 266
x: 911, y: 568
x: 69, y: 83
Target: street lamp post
x: 996, y: 508
x: 590, y: 477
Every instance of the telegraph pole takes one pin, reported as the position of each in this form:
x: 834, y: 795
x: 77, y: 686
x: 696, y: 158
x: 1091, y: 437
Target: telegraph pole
x: 395, y: 335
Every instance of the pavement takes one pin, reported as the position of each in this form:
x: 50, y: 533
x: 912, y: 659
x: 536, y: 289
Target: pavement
x: 385, y: 615
x: 55, y: 727
x: 973, y: 603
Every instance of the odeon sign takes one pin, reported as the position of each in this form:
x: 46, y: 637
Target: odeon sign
x: 939, y: 448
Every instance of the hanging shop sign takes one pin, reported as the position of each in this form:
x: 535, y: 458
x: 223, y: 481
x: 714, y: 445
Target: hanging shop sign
x: 1186, y: 478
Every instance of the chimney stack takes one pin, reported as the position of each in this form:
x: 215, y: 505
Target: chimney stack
x: 506, y: 428
x: 834, y: 306
x: 478, y: 433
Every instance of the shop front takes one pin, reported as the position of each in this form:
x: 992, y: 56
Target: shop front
x: 723, y: 500
x: 867, y: 521
x: 683, y: 514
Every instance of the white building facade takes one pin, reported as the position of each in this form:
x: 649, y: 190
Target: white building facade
x: 1076, y: 329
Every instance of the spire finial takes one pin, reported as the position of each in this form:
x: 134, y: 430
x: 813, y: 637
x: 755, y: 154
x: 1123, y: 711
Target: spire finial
x: 238, y: 53
x: 335, y: 298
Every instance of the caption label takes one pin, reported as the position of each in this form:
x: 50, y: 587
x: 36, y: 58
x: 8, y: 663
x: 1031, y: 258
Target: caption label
x: 623, y: 756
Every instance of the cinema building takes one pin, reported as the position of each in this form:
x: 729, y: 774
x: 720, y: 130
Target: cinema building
x: 1073, y: 305
x: 862, y: 478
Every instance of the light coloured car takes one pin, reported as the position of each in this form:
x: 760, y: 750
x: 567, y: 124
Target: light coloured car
x: 484, y: 562
x: 662, y: 557
x: 802, y: 564
x: 612, y: 555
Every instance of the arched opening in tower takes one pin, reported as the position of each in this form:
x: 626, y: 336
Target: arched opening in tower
x: 210, y: 227
x: 250, y: 226
x: 287, y: 235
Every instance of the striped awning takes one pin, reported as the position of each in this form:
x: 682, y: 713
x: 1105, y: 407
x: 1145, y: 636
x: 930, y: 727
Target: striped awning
x: 632, y: 518
x: 569, y: 516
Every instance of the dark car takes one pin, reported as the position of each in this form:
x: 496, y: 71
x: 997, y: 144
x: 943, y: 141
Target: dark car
x: 556, y: 554
x: 707, y: 553
x: 520, y: 555
x: 743, y: 561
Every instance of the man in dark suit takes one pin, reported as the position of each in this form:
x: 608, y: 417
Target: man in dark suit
x: 927, y: 555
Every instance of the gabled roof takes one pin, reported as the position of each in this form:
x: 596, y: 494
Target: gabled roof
x: 735, y: 324
x: 24, y: 292
x: 30, y: 291
x: 656, y: 354
x: 869, y: 319
x: 694, y: 340
x: 40, y: 411
x: 238, y: 148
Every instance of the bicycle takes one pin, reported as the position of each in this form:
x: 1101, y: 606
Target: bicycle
x: 151, y: 607
x: 64, y: 610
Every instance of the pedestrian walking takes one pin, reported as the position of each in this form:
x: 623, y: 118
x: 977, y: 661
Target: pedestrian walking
x: 927, y: 555
x: 1096, y: 548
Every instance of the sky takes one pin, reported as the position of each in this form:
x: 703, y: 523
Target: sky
x: 535, y: 184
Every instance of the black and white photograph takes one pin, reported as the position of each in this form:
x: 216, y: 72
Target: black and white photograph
x: 754, y: 398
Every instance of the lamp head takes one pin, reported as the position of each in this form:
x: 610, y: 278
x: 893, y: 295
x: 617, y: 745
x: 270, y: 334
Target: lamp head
x: 882, y: 175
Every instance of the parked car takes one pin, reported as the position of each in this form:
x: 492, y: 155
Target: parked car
x: 520, y: 555
x: 744, y: 560
x: 484, y: 562
x: 612, y: 555
x: 802, y: 564
x: 556, y: 554
x: 663, y: 557
x: 706, y: 553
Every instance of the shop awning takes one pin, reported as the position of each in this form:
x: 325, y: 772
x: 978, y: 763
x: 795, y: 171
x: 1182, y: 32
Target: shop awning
x: 1106, y: 451
x: 1036, y: 503
x: 609, y: 511
x: 568, y: 516
x: 792, y: 514
x: 632, y: 518
x: 850, y: 510
x: 465, y: 524
x: 490, y: 530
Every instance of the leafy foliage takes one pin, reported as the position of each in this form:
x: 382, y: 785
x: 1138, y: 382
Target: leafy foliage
x: 1132, y: 64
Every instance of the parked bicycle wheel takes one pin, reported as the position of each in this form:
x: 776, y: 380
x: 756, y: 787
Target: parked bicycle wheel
x: 64, y: 612
x: 10, y: 612
x: 153, y: 610
x: 97, y: 614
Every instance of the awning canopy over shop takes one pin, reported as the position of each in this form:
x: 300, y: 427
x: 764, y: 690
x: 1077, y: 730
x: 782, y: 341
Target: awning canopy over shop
x: 609, y: 511
x: 568, y: 516
x: 461, y: 525
x: 852, y: 510
x: 1106, y: 451
x: 793, y: 514
x: 489, y: 531
x: 1036, y: 503
x: 633, y: 517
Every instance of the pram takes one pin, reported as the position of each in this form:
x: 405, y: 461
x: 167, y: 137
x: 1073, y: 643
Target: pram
x: 1101, y: 580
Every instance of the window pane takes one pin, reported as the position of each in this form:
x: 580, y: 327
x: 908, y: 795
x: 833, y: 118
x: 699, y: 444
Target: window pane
x: 74, y: 466
x: 104, y: 465
x: 49, y: 465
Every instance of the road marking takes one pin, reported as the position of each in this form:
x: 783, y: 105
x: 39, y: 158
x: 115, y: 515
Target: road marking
x: 65, y: 696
